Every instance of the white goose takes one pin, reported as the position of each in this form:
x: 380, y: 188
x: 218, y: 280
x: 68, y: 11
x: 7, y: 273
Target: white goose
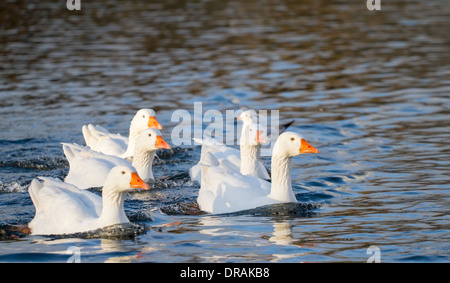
x: 62, y: 208
x: 250, y: 116
x: 224, y: 191
x: 250, y: 151
x: 99, y: 139
x: 89, y: 168
x: 246, y: 160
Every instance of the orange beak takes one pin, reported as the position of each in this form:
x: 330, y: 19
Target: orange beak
x: 152, y: 123
x: 307, y: 148
x: 137, y: 182
x: 161, y: 143
x: 260, y: 138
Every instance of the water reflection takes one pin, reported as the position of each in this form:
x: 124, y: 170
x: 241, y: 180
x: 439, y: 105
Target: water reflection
x: 225, y: 229
x: 282, y: 233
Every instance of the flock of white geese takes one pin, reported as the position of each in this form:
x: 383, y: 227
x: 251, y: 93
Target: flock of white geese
x: 230, y: 179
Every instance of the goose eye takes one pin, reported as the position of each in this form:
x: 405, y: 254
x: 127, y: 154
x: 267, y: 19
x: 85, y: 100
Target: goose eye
x: 123, y: 172
x: 143, y: 116
x: 292, y: 139
x: 149, y: 135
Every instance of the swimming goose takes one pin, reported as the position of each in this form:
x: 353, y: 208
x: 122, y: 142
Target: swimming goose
x: 250, y: 151
x: 246, y: 160
x: 89, y: 168
x: 223, y: 190
x: 250, y: 116
x: 99, y: 139
x: 62, y: 208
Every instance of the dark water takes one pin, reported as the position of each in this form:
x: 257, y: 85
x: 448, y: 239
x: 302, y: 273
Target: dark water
x: 371, y: 90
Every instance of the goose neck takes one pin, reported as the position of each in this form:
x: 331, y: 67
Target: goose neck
x: 113, y: 207
x: 281, y: 188
x: 132, y: 137
x: 143, y: 162
x: 250, y: 156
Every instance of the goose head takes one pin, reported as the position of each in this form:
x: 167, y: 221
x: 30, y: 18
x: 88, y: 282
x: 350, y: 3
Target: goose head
x: 150, y: 140
x: 123, y: 179
x: 145, y: 118
x: 291, y: 144
x: 247, y: 116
